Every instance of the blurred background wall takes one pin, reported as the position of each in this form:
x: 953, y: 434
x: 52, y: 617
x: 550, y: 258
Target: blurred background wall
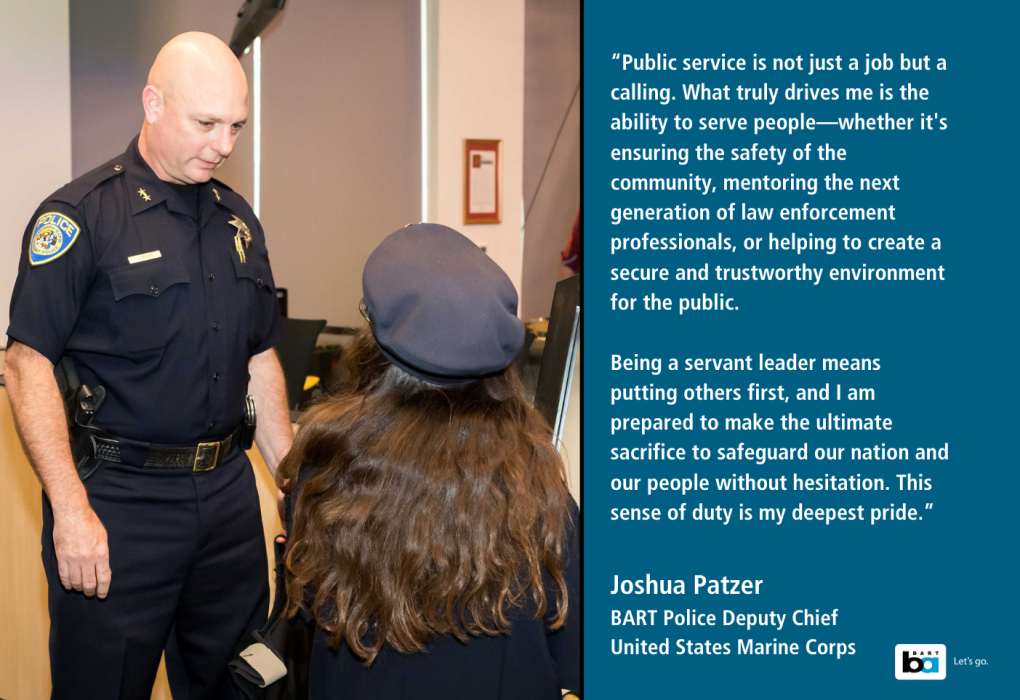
x: 480, y: 95
x: 341, y: 147
x: 552, y: 107
x: 35, y: 121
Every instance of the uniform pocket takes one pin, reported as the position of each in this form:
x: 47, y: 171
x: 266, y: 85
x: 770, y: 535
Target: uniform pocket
x: 260, y: 291
x: 147, y: 295
x: 255, y: 270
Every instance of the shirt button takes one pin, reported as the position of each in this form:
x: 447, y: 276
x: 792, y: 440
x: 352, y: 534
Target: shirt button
x: 154, y: 289
x: 212, y: 424
x: 259, y: 281
x: 211, y: 277
x: 216, y: 377
x: 215, y: 326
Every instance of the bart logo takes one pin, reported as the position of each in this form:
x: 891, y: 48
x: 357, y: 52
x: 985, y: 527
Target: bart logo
x: 921, y: 662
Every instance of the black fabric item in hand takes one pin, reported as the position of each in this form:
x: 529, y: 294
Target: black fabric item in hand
x: 290, y: 639
x: 259, y: 665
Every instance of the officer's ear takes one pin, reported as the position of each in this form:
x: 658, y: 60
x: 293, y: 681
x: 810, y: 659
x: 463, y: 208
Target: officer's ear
x: 152, y: 103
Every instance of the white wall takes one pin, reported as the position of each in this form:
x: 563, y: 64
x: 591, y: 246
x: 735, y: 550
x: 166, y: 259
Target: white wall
x: 341, y: 145
x: 480, y: 95
x: 35, y: 122
x: 552, y: 71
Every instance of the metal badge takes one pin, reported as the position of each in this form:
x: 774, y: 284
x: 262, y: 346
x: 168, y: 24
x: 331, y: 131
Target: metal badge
x: 242, y: 235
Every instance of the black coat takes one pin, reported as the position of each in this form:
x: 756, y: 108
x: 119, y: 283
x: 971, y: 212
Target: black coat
x: 530, y: 663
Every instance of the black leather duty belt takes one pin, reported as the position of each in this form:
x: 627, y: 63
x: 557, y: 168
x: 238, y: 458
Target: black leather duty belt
x: 200, y: 458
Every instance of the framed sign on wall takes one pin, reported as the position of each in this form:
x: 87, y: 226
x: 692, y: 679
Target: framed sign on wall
x: 483, y: 181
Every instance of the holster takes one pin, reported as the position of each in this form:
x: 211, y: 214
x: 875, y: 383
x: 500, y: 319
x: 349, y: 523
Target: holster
x: 80, y: 406
x: 83, y: 450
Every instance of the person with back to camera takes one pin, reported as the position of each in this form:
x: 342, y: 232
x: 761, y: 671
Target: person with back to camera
x: 432, y: 537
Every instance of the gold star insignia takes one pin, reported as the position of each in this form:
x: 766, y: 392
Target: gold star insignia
x: 216, y: 194
x: 144, y: 196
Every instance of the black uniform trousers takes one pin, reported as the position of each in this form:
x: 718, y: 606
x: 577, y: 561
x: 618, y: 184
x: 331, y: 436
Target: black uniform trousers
x: 187, y: 555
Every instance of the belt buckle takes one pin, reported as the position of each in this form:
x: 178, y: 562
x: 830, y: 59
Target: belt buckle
x: 199, y: 453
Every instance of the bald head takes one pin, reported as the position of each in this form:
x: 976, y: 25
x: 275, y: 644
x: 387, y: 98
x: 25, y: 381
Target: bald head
x: 195, y: 102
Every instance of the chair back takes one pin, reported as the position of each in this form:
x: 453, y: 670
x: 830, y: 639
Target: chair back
x: 295, y: 351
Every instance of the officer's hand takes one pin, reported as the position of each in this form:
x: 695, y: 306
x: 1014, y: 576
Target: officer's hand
x: 83, y: 558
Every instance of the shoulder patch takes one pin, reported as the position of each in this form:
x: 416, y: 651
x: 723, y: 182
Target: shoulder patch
x: 53, y: 235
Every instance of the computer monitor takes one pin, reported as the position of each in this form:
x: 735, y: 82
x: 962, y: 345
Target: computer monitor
x: 562, y: 348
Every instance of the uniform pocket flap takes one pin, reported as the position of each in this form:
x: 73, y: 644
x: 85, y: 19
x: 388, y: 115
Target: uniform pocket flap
x: 150, y: 278
x: 254, y: 270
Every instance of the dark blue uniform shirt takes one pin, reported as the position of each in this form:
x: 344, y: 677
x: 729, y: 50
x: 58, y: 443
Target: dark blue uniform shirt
x: 151, y: 304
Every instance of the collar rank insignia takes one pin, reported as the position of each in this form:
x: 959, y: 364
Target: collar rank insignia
x: 144, y: 195
x: 242, y: 235
x: 53, y: 235
x: 216, y: 194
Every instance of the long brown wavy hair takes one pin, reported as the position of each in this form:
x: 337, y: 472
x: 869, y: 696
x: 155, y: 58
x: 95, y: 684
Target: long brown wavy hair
x: 431, y: 510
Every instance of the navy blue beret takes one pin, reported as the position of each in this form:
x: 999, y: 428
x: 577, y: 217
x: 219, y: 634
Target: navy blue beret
x: 439, y: 307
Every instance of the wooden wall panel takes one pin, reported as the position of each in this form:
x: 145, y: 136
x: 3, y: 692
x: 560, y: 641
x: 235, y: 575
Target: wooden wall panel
x: 24, y: 622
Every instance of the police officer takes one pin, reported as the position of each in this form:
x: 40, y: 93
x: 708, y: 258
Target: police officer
x: 155, y: 279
